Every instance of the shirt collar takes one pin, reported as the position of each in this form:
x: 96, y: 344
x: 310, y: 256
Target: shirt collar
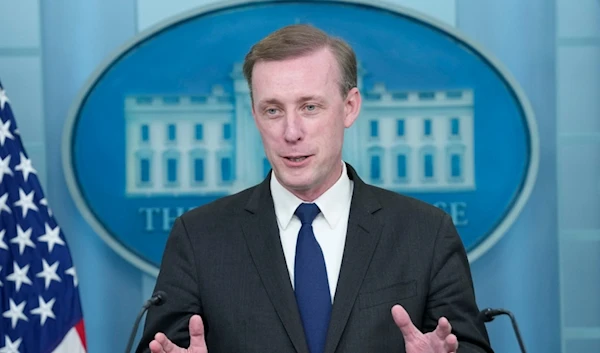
x: 330, y: 203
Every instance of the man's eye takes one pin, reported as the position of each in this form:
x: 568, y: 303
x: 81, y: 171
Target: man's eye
x: 311, y: 107
x: 271, y: 111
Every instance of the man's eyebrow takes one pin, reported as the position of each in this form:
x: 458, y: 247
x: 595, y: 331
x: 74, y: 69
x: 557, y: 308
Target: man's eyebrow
x: 262, y: 103
x: 310, y: 98
x: 302, y: 99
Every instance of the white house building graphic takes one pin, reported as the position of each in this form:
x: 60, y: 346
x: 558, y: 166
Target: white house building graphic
x: 421, y: 141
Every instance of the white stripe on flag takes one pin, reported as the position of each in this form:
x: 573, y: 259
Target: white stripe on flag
x: 70, y: 344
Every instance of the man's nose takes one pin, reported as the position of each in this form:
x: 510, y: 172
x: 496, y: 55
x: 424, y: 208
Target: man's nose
x: 293, y: 128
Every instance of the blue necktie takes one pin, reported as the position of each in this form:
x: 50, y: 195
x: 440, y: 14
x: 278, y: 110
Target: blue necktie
x: 310, y: 281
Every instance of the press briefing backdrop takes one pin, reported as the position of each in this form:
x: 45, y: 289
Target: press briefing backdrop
x: 49, y: 50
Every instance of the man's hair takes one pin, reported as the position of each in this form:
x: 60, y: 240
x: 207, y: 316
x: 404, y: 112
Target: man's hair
x: 298, y: 40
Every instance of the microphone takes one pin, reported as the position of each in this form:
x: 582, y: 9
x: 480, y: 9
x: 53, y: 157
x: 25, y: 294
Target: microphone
x: 489, y: 314
x: 158, y: 298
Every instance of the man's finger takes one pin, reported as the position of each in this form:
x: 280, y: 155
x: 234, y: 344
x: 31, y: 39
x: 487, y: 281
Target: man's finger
x: 166, y: 344
x: 197, y: 340
x: 156, y: 347
x: 402, y: 320
x: 451, y: 343
x: 443, y: 328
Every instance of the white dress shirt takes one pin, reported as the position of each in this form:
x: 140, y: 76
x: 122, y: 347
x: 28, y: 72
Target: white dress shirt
x: 329, y: 226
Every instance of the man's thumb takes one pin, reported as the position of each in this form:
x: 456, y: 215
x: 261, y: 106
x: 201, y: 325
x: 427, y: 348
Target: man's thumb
x: 197, y: 340
x: 402, y: 320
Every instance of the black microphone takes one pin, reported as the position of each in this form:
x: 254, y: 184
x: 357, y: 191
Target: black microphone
x: 489, y: 314
x: 159, y: 298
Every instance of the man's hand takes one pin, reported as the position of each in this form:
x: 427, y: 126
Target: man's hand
x: 161, y: 344
x: 441, y: 340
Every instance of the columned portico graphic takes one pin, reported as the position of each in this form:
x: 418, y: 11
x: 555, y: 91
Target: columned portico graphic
x: 208, y: 144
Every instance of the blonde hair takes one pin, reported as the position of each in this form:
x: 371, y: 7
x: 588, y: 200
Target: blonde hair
x: 298, y: 40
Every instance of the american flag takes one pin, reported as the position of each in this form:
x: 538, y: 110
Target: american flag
x: 39, y: 295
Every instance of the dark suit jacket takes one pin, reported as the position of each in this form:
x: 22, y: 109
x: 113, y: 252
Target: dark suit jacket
x: 225, y: 262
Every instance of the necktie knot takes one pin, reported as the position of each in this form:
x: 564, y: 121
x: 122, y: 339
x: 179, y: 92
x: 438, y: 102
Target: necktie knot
x: 307, y: 212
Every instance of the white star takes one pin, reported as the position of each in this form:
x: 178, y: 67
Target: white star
x: 3, y: 199
x: 52, y: 237
x: 10, y: 346
x: 72, y: 272
x: 3, y: 98
x: 2, y: 243
x: 5, y: 167
x: 16, y: 312
x: 49, y: 272
x: 19, y: 276
x: 5, y: 132
x: 44, y: 202
x: 26, y: 201
x: 25, y: 167
x: 23, y: 238
x: 44, y: 310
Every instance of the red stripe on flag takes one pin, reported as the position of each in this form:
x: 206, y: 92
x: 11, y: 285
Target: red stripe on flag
x: 81, y: 332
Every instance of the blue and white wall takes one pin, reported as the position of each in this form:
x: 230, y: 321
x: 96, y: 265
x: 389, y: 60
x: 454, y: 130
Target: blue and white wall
x: 578, y: 171
x: 546, y: 269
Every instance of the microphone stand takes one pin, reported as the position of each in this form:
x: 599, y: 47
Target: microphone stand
x: 158, y: 298
x: 489, y: 314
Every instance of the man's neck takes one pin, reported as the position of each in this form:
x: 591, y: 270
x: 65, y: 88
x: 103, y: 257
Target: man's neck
x: 311, y: 194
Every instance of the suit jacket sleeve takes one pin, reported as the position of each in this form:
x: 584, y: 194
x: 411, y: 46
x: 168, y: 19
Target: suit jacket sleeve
x: 178, y: 278
x: 452, y: 294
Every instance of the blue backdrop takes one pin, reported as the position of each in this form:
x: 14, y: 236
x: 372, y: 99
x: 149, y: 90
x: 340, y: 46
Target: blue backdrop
x: 519, y: 273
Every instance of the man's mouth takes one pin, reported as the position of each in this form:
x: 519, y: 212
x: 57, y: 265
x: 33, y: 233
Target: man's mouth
x: 297, y: 159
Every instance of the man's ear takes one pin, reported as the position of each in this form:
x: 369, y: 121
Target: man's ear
x: 352, y: 106
x: 253, y: 110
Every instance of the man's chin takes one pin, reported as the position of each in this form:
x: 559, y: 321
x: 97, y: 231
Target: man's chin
x: 294, y: 182
x: 296, y: 185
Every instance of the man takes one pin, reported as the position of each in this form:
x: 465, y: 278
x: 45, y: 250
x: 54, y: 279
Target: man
x: 312, y: 260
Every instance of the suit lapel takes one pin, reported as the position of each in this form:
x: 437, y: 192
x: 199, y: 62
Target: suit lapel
x: 262, y: 236
x: 361, y: 239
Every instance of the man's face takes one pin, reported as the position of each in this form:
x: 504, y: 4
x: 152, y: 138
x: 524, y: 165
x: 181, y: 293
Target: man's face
x: 301, y: 116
